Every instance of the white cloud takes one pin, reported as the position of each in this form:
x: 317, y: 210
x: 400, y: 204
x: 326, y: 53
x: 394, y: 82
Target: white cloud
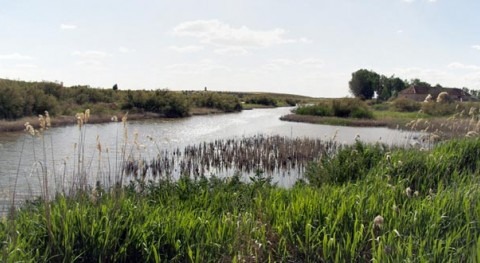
x: 220, y: 34
x: 26, y: 66
x: 68, y: 27
x: 125, y: 50
x: 477, y: 47
x: 90, y: 54
x: 458, y: 65
x: 231, y: 51
x: 303, y: 64
x: 186, y: 49
x: 14, y: 56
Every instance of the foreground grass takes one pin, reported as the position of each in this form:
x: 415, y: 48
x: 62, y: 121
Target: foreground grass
x: 365, y: 203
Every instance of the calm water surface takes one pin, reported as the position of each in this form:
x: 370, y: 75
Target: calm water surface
x: 22, y: 155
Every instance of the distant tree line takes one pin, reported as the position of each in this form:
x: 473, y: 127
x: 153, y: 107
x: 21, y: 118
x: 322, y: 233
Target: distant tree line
x: 365, y: 84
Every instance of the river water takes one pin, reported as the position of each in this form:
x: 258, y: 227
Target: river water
x: 23, y: 158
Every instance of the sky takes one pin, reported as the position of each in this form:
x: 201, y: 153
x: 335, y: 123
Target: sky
x: 306, y: 47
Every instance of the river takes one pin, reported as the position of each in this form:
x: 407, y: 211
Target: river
x: 23, y: 157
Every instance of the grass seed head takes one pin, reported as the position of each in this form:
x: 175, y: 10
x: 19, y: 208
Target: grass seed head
x: 87, y: 115
x: 29, y: 128
x: 408, y: 191
x: 378, y: 221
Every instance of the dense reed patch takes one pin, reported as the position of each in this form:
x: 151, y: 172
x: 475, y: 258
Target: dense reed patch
x: 273, y: 155
x: 392, y: 205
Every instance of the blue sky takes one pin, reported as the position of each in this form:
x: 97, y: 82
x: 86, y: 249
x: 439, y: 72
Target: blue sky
x: 301, y: 47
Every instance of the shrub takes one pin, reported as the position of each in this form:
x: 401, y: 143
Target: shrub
x: 342, y: 108
x: 353, y: 108
x: 320, y: 109
x: 438, y: 109
x: 406, y: 105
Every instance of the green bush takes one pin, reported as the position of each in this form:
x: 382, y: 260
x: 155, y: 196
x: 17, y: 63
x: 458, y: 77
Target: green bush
x: 342, y: 108
x: 406, y: 105
x: 353, y: 108
x: 320, y: 109
x: 439, y: 109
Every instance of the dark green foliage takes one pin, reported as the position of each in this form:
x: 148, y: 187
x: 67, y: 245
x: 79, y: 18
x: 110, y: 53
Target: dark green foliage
x: 364, y: 83
x: 224, y: 102
x: 389, y: 87
x: 262, y: 100
x: 406, y: 105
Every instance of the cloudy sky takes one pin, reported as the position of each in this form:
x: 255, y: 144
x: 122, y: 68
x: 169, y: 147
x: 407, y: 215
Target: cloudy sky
x: 306, y: 47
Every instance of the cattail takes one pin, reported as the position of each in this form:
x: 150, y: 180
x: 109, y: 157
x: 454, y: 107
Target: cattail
x: 87, y: 115
x: 378, y: 221
x: 47, y: 120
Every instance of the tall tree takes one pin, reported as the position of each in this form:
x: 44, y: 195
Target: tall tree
x: 364, y: 83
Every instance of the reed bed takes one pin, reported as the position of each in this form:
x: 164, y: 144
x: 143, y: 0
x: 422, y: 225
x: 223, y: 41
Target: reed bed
x: 272, y: 155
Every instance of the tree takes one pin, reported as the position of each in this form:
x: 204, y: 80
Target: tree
x: 389, y: 87
x: 115, y: 87
x: 364, y: 83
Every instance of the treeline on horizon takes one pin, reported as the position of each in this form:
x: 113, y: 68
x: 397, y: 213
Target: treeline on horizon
x: 365, y: 84
x: 22, y: 99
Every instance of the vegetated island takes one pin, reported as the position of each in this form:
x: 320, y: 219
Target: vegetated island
x: 22, y: 102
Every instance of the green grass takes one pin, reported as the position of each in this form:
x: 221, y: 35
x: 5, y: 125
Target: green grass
x: 330, y: 219
x: 398, y: 115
